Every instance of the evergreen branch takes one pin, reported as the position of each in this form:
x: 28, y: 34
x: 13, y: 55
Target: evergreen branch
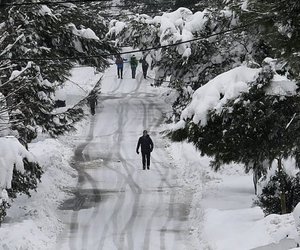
x: 16, y: 90
x: 87, y: 1
x: 11, y: 80
x: 139, y: 50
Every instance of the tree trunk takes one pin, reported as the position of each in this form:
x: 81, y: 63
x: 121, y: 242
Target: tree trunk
x: 282, y: 187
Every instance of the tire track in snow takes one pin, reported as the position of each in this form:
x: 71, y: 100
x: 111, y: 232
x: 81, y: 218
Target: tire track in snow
x: 87, y: 179
x: 128, y: 180
x: 147, y: 107
x: 78, y: 157
x: 164, y: 177
x: 127, y: 230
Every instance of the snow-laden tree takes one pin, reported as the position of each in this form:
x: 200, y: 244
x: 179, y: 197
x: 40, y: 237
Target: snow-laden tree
x: 150, y: 7
x: 245, y: 115
x: 19, y: 173
x: 40, y: 46
x: 276, y: 24
x: 195, y: 5
x: 187, y: 65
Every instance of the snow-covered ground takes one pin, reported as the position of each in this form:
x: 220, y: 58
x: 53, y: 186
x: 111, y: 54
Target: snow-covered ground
x: 221, y: 212
x: 33, y: 223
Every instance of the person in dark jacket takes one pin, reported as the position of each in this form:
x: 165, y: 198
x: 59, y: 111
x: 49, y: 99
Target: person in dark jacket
x: 92, y: 99
x: 145, y: 66
x: 146, y: 148
x: 133, y: 64
x: 120, y: 63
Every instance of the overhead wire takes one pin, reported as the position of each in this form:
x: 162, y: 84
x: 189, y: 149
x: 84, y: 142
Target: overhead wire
x: 132, y: 14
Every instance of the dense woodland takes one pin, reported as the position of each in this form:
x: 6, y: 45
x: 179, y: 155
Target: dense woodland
x: 40, y: 43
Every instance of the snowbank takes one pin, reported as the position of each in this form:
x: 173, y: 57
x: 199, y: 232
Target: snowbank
x: 12, y: 153
x: 32, y: 223
x: 222, y: 214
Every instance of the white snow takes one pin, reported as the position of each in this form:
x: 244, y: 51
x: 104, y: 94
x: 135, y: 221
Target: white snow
x: 33, y: 223
x: 177, y: 26
x: 85, y: 33
x: 222, y: 215
x: 229, y: 84
x: 282, y: 86
x: 17, y: 73
x: 4, y: 117
x: 116, y: 27
x: 180, y: 25
x: 12, y: 153
x: 44, y: 10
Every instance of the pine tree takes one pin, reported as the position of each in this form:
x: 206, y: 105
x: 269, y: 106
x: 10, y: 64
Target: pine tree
x: 276, y: 25
x: 38, y: 47
x: 37, y: 32
x: 252, y: 130
x: 208, y: 57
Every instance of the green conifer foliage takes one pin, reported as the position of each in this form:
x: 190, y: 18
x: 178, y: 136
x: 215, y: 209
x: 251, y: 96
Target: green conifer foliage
x: 255, y: 129
x: 38, y: 46
x: 270, y: 199
x: 36, y: 39
x: 277, y: 25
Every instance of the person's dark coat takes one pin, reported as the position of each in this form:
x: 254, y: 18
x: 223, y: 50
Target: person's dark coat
x: 145, y: 65
x: 133, y: 62
x: 119, y: 62
x: 146, y: 144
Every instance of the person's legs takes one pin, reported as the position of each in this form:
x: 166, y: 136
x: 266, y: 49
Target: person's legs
x: 148, y: 160
x: 92, y: 109
x: 145, y: 72
x: 118, y: 70
x: 133, y: 72
x: 144, y: 160
x: 121, y: 72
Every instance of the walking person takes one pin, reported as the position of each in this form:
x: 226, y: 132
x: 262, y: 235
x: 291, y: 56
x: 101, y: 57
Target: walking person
x: 146, y: 145
x: 92, y: 99
x: 133, y: 64
x: 120, y: 64
x: 145, y: 66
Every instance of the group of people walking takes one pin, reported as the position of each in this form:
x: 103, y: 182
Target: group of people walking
x: 145, y: 143
x: 133, y: 64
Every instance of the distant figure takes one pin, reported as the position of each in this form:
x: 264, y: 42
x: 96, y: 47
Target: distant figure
x: 145, y: 66
x: 133, y: 64
x: 146, y: 148
x: 120, y: 63
x: 92, y: 99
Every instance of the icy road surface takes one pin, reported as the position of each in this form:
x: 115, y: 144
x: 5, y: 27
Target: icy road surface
x: 117, y: 204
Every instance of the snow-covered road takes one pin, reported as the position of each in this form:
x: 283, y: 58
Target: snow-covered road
x: 118, y: 205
